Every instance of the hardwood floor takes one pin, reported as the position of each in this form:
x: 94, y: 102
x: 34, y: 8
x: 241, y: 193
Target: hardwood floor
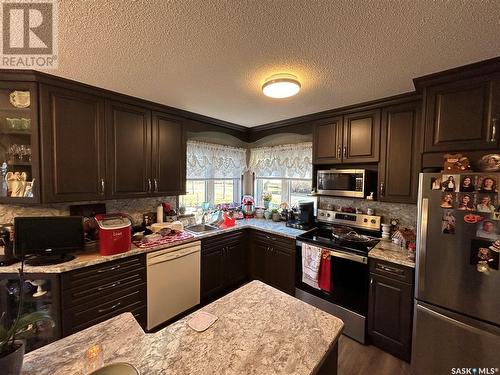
x: 357, y: 359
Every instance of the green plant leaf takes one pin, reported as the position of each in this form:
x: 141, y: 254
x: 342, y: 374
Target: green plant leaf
x: 3, y: 334
x: 24, y: 322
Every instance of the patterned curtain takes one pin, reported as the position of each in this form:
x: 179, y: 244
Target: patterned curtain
x: 286, y: 161
x: 209, y: 161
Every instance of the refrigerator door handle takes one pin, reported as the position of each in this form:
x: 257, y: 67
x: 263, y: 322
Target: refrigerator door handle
x: 422, y: 241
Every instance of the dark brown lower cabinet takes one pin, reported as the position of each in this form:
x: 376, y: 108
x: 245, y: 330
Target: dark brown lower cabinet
x: 390, y: 308
x: 223, y: 263
x: 94, y: 294
x: 272, y: 260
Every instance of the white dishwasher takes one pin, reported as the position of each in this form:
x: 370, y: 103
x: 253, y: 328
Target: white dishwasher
x: 173, y: 281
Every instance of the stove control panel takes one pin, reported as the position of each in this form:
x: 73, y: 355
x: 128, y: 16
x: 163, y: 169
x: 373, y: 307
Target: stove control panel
x: 355, y: 220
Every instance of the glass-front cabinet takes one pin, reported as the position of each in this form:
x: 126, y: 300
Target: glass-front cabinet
x: 40, y: 292
x: 19, y: 174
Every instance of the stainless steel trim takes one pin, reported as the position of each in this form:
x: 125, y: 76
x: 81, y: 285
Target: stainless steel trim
x: 342, y: 193
x: 353, y: 257
x: 423, y: 214
x: 493, y: 129
x: 339, y: 254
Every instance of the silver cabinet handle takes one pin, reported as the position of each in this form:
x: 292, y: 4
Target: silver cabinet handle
x: 150, y: 186
x: 102, y: 186
x: 109, y: 286
x: 108, y: 269
x: 345, y: 152
x: 339, y: 152
x: 382, y: 189
x: 110, y: 308
x: 371, y: 281
x: 494, y: 122
x: 156, y: 185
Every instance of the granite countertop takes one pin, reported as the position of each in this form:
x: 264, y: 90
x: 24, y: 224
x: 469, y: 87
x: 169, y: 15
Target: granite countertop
x: 89, y: 259
x: 390, y: 252
x: 260, y: 330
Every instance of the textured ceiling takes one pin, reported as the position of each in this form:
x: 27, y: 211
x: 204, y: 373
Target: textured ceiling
x: 211, y: 57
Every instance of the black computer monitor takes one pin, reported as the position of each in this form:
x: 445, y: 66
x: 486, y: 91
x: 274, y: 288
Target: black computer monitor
x: 48, y: 239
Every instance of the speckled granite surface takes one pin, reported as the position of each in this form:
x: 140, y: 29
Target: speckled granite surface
x: 84, y: 260
x: 390, y: 252
x: 260, y: 330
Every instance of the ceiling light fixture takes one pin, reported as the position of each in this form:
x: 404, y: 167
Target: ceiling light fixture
x: 281, y: 85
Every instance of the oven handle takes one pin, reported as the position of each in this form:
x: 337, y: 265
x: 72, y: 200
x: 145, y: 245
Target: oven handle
x: 338, y: 254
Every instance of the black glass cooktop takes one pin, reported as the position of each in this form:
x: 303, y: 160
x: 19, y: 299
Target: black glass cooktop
x: 323, y: 236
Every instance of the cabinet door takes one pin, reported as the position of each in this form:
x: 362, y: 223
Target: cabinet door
x: 212, y: 275
x: 258, y: 260
x: 281, y: 268
x: 235, y: 265
x: 399, y: 153
x: 361, y: 137
x: 390, y: 315
x: 169, y: 155
x: 327, y: 141
x: 462, y: 115
x: 128, y: 132
x: 73, y: 143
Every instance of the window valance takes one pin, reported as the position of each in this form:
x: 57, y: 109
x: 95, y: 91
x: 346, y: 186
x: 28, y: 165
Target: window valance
x: 286, y: 161
x: 211, y: 161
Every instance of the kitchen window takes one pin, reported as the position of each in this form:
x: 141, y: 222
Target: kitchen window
x: 213, y: 174
x: 285, y: 171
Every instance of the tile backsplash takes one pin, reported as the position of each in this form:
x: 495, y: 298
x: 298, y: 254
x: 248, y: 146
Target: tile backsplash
x: 405, y: 213
x: 134, y: 207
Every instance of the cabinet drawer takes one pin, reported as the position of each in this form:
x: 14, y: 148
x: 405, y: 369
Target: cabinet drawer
x: 80, y: 317
x: 97, y: 289
x: 222, y: 240
x: 392, y: 270
x: 105, y: 273
x: 274, y: 240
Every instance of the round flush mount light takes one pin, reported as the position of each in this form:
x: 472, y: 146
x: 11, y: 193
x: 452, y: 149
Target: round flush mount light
x: 282, y: 85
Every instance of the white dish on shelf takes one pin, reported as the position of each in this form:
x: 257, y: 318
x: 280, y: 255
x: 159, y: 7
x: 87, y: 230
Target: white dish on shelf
x: 20, y: 99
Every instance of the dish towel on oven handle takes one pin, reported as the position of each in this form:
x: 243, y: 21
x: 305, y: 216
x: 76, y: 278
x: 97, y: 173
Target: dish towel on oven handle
x: 325, y: 272
x: 311, y: 259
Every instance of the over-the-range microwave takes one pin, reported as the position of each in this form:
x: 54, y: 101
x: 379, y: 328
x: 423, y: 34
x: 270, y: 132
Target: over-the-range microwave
x: 354, y: 183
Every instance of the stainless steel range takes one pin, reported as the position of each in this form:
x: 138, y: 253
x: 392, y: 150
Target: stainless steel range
x: 348, y: 237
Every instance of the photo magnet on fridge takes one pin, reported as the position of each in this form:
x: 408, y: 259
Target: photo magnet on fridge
x: 482, y: 256
x: 436, y: 183
x: 450, y: 182
x: 486, y: 202
x: 487, y: 184
x: 447, y: 200
x: 467, y: 183
x: 448, y: 222
x: 488, y: 229
x: 466, y: 202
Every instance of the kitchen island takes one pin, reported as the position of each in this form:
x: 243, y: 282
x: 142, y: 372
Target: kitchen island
x: 259, y: 330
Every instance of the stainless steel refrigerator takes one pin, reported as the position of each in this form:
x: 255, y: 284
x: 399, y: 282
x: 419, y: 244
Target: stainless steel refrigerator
x: 457, y: 296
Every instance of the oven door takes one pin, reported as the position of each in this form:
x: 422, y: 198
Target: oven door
x: 346, y: 183
x: 349, y: 280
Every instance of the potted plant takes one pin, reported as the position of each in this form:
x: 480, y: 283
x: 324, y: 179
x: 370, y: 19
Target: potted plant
x: 23, y: 327
x: 267, y: 196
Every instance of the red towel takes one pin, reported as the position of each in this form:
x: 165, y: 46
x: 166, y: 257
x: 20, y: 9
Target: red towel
x: 324, y: 277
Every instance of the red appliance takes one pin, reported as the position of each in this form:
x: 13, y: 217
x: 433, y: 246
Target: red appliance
x: 115, y: 235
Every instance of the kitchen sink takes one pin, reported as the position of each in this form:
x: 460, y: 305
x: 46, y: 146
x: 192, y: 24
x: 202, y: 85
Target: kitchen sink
x: 201, y: 228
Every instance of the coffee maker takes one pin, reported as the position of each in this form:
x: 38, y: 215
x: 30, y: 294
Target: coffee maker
x: 301, y: 217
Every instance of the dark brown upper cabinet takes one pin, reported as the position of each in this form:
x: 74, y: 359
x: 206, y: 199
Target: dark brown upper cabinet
x: 399, y: 153
x: 73, y: 144
x: 327, y: 145
x: 128, y: 148
x: 353, y: 138
x: 462, y: 114
x: 169, y: 155
x: 361, y: 142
